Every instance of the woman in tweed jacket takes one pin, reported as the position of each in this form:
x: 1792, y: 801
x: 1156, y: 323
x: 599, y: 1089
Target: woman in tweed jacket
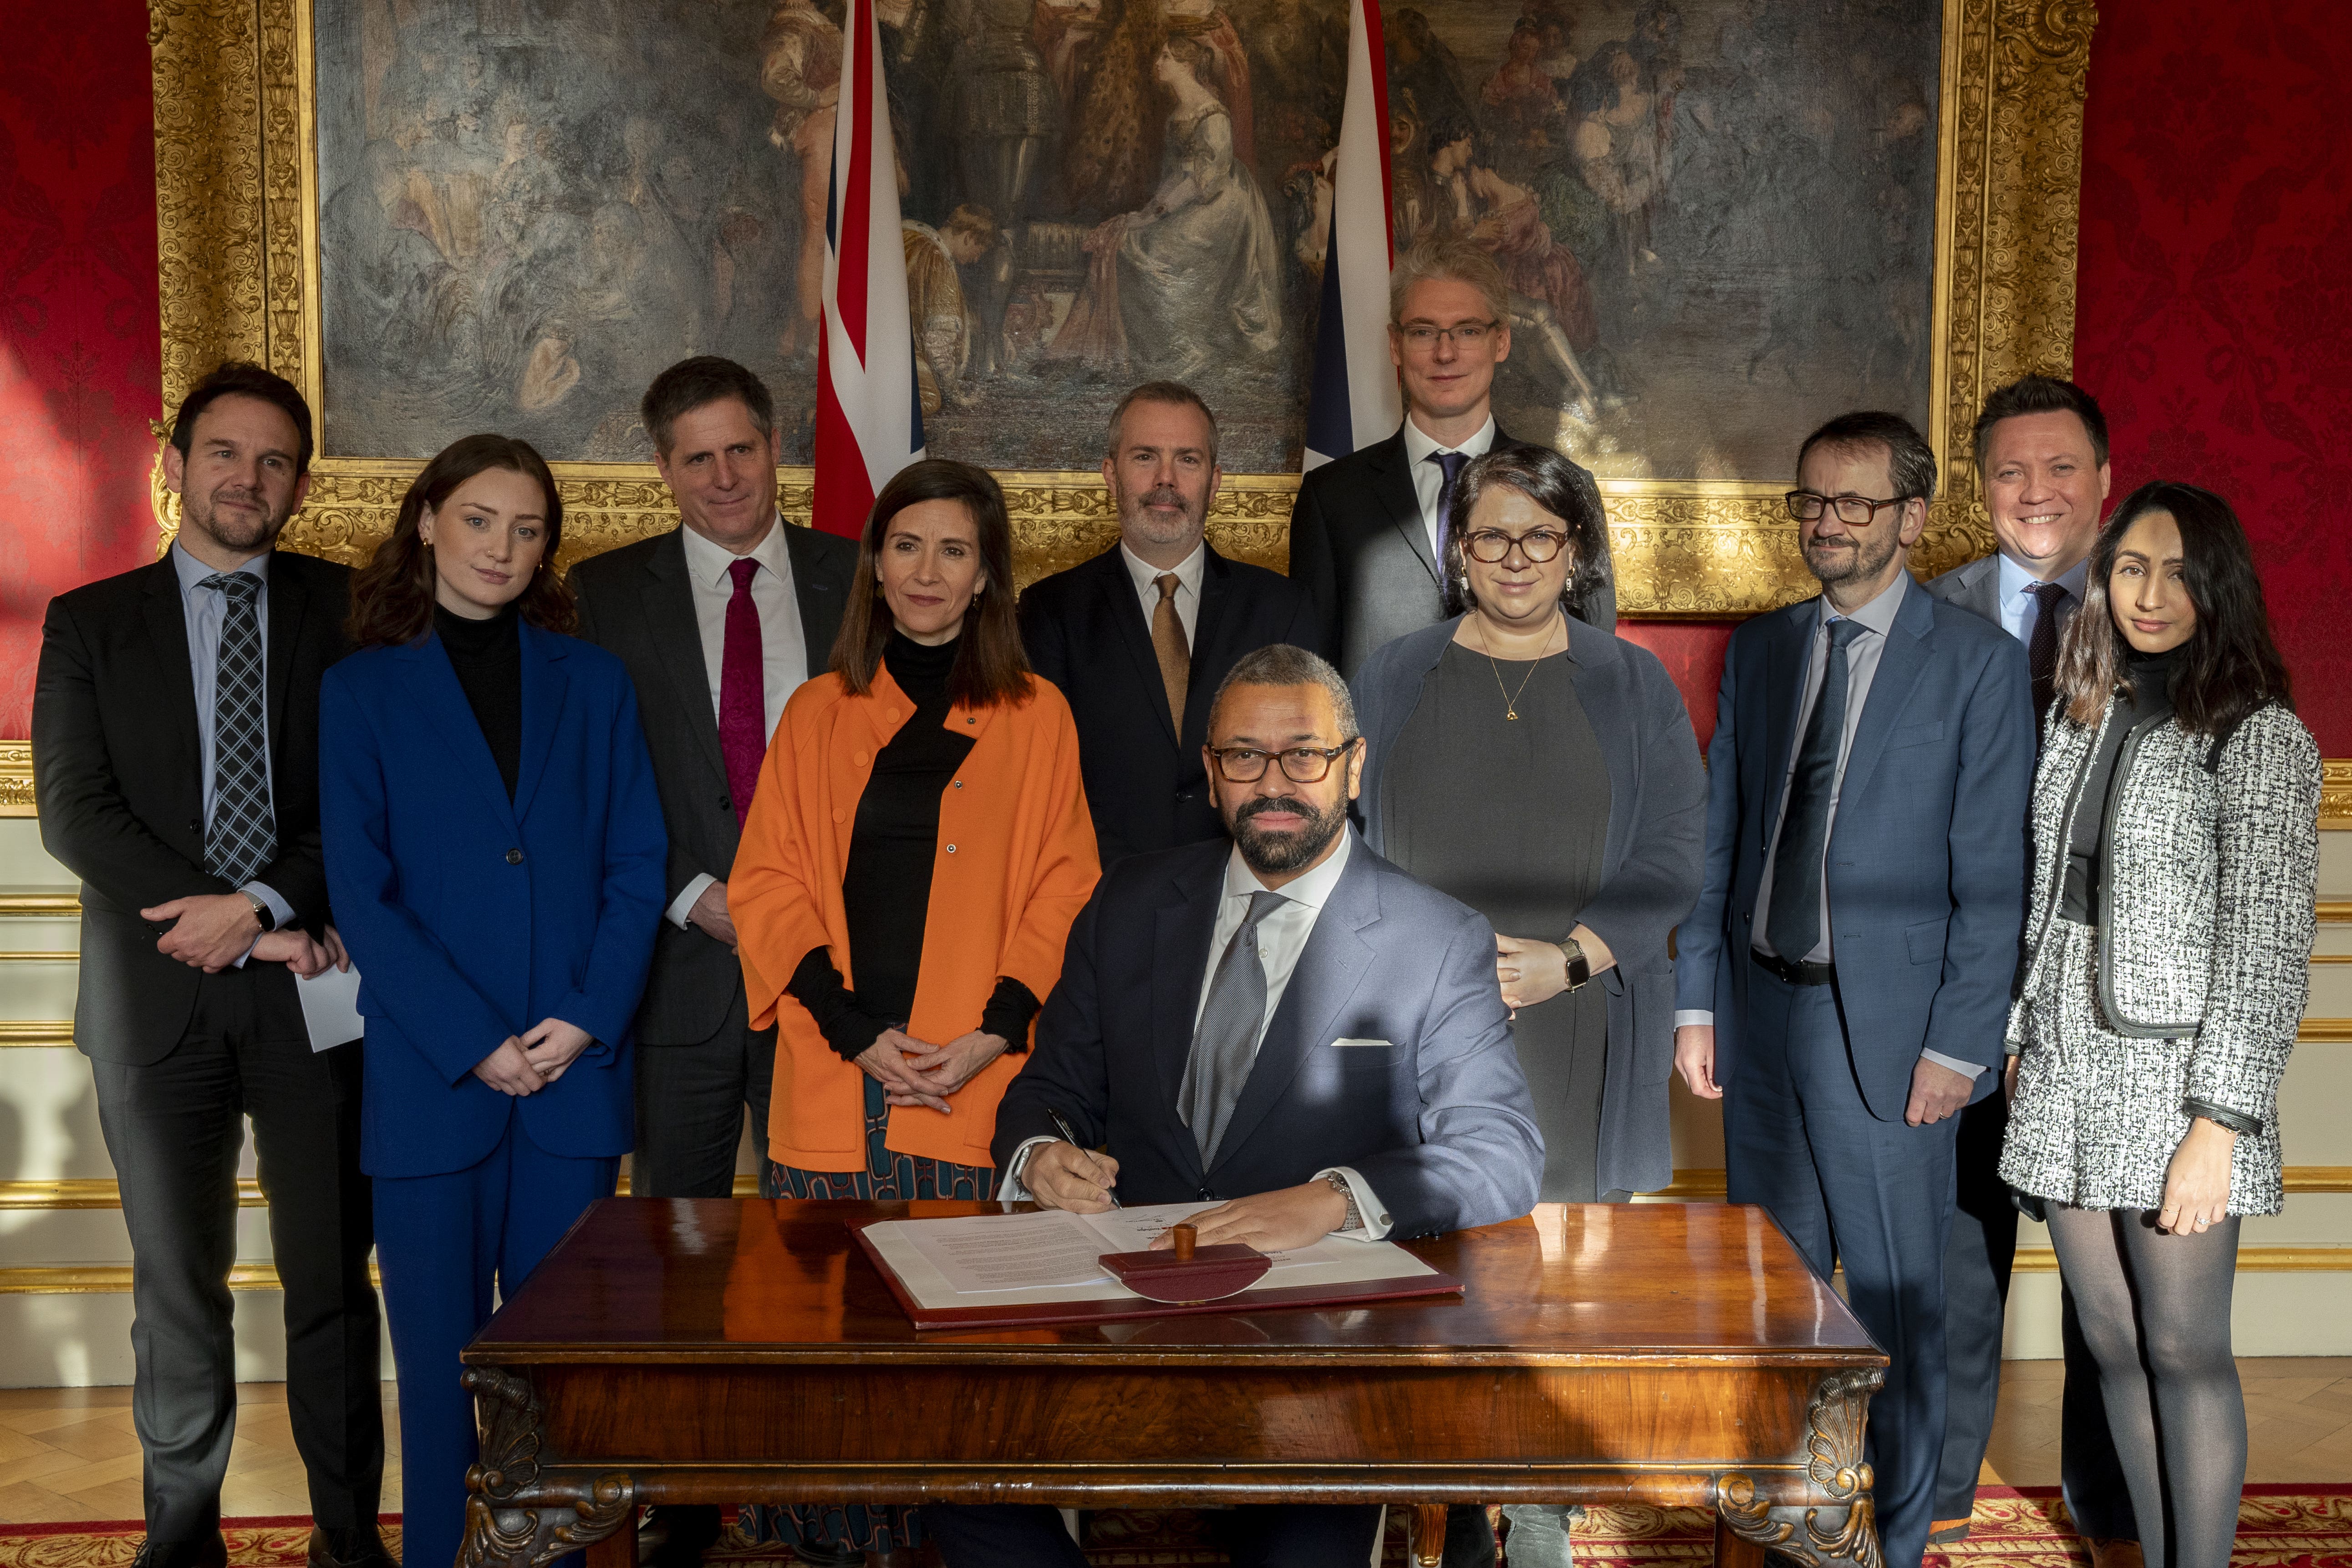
x: 2175, y: 856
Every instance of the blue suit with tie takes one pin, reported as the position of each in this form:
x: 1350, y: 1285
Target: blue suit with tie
x: 1924, y: 868
x: 471, y: 916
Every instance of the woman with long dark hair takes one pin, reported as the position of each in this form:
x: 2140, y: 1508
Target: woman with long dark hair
x: 915, y: 852
x: 2176, y: 859
x: 495, y: 852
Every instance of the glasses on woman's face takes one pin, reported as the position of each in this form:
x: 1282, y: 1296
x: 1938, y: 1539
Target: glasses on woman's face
x: 1300, y: 764
x: 1493, y: 547
x: 1855, y: 511
x: 1421, y: 337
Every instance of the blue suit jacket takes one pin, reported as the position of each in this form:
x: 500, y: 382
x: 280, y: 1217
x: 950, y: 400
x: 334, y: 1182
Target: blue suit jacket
x: 1438, y: 1120
x: 1926, y: 856
x: 472, y: 918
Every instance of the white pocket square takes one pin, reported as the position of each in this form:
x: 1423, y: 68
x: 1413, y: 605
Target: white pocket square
x: 1376, y: 1044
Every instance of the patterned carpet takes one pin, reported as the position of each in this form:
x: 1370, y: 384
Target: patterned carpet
x: 2278, y: 1527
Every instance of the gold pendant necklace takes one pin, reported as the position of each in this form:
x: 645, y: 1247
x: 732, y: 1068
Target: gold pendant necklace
x: 1511, y: 698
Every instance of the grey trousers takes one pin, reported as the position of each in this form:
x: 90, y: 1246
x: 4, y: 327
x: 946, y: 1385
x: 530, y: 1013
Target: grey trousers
x: 174, y: 1130
x: 691, y: 1101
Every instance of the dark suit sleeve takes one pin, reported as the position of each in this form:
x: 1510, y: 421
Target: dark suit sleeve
x: 1699, y: 945
x: 1480, y: 1158
x: 1313, y: 566
x: 1655, y: 887
x: 1068, y: 1069
x: 1988, y: 859
x: 1042, y: 638
x: 86, y: 822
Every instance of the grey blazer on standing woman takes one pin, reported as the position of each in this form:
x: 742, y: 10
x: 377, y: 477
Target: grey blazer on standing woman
x: 1652, y: 859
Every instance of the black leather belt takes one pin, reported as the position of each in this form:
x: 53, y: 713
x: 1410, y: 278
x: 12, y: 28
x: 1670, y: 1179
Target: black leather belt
x: 1802, y: 973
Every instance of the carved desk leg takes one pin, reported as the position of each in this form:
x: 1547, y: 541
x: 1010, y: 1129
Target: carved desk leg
x: 520, y: 1515
x: 1835, y: 1420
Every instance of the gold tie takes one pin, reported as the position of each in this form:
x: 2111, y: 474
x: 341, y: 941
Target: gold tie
x: 1168, y: 643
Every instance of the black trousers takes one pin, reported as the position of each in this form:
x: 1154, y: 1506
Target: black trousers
x: 174, y: 1130
x: 691, y: 1100
x: 1014, y: 1535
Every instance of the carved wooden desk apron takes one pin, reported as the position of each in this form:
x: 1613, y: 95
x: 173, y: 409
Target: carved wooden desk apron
x: 729, y: 1351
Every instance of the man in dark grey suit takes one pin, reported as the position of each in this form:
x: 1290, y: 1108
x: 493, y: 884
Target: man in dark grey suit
x: 719, y: 621
x: 2041, y: 449
x: 1365, y: 536
x: 175, y: 748
x: 1286, y: 1029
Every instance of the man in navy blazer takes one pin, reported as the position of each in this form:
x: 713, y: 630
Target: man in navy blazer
x: 1288, y: 1029
x: 1847, y: 969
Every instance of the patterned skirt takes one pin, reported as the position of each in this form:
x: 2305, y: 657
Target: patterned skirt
x: 888, y: 1174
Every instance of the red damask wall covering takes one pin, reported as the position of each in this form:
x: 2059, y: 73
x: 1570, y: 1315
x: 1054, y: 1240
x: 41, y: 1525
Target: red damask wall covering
x: 2214, y: 319
x: 80, y: 358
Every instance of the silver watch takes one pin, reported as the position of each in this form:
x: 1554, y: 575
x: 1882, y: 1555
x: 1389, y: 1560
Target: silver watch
x: 1340, y: 1184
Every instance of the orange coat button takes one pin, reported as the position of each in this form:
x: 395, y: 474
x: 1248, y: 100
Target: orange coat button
x: 858, y: 758
x: 838, y: 813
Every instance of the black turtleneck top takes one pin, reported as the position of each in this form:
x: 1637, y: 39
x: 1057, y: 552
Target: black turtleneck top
x: 2148, y: 704
x: 887, y: 889
x: 488, y: 658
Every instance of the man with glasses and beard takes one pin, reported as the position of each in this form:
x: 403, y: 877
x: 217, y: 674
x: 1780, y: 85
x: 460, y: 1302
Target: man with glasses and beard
x: 175, y: 745
x: 1286, y: 1029
x: 1840, y: 985
x: 1140, y: 637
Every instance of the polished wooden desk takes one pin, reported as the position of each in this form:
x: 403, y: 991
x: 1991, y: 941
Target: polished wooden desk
x: 730, y: 1351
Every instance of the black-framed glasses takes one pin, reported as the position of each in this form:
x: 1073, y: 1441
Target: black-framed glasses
x: 1300, y: 764
x: 1466, y: 335
x: 1493, y: 547
x: 1855, y: 511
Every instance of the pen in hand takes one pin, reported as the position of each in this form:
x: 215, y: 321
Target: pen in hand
x: 1071, y: 1137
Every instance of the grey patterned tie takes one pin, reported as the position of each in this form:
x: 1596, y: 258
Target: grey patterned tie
x: 242, y: 836
x: 1225, y: 1044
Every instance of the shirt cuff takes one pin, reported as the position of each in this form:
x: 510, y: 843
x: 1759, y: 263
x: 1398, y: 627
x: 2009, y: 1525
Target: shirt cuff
x: 1966, y: 1069
x: 683, y: 905
x: 1010, y: 1190
x: 278, y: 908
x: 1702, y: 1016
x: 1368, y: 1206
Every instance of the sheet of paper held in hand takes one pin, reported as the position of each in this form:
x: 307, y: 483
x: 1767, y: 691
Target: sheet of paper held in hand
x: 1021, y: 1260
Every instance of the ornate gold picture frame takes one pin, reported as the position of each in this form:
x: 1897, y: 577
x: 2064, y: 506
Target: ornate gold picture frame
x: 237, y: 206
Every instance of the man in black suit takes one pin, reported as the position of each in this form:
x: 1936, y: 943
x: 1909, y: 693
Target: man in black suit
x: 1139, y: 638
x: 176, y: 744
x: 1366, y: 533
x: 719, y: 620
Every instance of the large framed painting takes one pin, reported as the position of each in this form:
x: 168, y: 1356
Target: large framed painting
x: 1722, y: 221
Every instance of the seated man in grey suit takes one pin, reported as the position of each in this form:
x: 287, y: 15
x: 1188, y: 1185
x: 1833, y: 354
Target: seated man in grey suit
x: 1288, y: 1029
x: 1840, y: 985
x: 1369, y: 528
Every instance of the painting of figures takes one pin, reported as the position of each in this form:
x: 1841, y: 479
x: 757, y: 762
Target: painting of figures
x: 1717, y: 216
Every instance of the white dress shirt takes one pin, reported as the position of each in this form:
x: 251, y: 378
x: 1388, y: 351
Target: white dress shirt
x: 204, y: 610
x: 1281, y: 939
x: 1877, y: 619
x: 2020, y: 609
x: 783, y: 646
x: 1188, y: 585
x: 1428, y: 479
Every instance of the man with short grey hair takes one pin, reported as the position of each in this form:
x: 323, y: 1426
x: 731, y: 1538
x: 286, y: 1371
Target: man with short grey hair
x: 1139, y: 638
x: 1368, y: 529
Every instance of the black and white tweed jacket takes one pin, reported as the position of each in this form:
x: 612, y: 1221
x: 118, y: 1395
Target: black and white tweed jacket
x: 2206, y: 914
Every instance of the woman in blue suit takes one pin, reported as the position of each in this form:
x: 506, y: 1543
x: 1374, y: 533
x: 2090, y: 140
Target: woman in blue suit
x: 494, y: 853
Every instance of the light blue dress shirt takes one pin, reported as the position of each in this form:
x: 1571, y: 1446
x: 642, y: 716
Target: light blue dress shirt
x: 2019, y: 610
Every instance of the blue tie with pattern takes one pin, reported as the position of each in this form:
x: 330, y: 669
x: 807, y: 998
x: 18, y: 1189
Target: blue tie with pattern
x: 243, y: 834
x: 1450, y: 464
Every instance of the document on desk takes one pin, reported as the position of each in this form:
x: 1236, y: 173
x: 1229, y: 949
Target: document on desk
x: 1022, y: 1259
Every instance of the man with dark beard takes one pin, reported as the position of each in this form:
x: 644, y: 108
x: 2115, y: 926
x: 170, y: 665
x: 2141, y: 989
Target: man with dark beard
x: 1840, y: 983
x: 1140, y: 637
x: 1288, y: 1030
x: 175, y: 746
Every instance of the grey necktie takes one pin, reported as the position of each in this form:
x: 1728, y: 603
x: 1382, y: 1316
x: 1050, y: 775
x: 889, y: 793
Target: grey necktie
x: 1225, y: 1044
x: 242, y: 836
x: 1794, y: 919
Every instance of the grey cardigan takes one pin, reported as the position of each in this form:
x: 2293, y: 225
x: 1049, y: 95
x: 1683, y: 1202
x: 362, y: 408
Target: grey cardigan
x: 1652, y: 859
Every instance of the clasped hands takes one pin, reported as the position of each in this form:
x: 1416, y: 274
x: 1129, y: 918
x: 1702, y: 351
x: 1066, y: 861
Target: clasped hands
x: 1061, y: 1176
x: 915, y: 1072
x: 212, y: 931
x: 528, y: 1062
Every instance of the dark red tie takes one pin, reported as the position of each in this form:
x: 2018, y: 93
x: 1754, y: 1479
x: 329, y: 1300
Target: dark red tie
x: 742, y: 693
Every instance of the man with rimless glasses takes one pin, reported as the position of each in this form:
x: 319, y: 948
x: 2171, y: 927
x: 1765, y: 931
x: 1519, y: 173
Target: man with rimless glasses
x: 1286, y: 1029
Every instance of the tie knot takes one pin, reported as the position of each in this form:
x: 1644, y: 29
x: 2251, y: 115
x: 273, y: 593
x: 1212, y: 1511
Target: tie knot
x: 1261, y: 906
x: 1451, y: 462
x: 1166, y: 583
x: 1843, y: 631
x: 243, y: 587
x: 742, y: 571
x: 2049, y: 593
